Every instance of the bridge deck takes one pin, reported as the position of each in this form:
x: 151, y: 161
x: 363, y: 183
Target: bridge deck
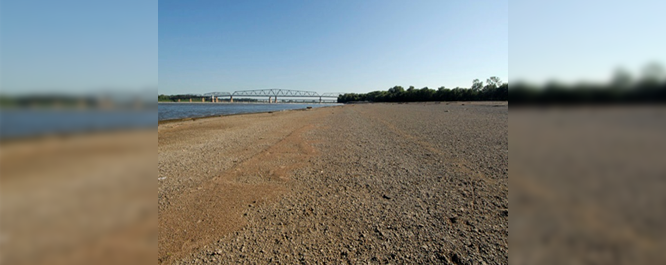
x: 273, y: 93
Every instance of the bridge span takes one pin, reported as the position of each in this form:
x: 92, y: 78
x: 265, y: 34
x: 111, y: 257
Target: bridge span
x: 272, y: 94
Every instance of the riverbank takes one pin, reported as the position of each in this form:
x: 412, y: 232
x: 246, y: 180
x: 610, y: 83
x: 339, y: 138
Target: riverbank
x: 220, y: 115
x: 399, y: 183
x: 179, y: 111
x: 79, y: 198
x: 246, y: 102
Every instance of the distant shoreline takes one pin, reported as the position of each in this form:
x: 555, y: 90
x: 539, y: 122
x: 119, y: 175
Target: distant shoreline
x: 195, y: 102
x: 232, y: 114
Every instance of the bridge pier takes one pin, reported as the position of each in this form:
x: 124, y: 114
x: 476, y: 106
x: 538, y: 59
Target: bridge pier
x: 203, y: 99
x: 275, y: 99
x: 270, y: 99
x: 231, y: 99
x: 319, y: 100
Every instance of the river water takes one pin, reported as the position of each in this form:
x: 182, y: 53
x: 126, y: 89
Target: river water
x: 170, y: 111
x: 18, y: 123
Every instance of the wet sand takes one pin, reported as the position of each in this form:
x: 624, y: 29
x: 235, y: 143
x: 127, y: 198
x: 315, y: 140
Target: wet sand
x: 384, y: 183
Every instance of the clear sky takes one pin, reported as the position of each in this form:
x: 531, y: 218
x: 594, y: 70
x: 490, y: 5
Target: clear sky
x: 329, y: 46
x: 572, y: 40
x: 77, y: 46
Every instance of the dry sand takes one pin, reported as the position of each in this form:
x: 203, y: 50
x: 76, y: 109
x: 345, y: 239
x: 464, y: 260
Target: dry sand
x: 588, y: 185
x: 371, y: 183
x: 79, y: 199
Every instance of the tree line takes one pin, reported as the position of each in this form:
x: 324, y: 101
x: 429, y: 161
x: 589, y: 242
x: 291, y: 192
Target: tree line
x: 175, y: 98
x: 622, y: 88
x: 618, y: 91
x: 493, y: 90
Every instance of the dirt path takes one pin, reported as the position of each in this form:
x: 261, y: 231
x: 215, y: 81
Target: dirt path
x: 381, y: 183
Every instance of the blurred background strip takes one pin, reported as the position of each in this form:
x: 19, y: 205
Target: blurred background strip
x: 77, y: 132
x: 587, y: 128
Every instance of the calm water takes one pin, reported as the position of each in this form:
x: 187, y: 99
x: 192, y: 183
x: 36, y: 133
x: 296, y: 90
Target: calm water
x: 26, y: 122
x: 15, y: 123
x: 170, y: 111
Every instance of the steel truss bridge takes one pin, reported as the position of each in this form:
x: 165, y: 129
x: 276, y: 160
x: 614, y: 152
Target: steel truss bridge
x: 272, y: 94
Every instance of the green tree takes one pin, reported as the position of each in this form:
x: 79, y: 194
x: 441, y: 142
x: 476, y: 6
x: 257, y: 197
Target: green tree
x: 396, y: 90
x: 494, y: 82
x: 477, y: 85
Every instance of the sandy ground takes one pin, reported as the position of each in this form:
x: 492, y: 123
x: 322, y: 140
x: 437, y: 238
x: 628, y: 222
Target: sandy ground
x: 373, y: 183
x: 79, y: 199
x: 588, y: 185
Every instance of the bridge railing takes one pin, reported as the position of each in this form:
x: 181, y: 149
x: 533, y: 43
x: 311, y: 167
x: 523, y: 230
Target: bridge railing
x: 273, y: 93
x: 331, y: 94
x: 276, y: 92
x: 217, y: 94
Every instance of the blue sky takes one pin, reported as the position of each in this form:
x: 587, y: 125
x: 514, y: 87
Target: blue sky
x: 329, y: 46
x: 78, y: 46
x: 572, y: 41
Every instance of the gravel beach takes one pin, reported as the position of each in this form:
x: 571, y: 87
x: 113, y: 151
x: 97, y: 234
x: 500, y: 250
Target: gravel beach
x: 588, y: 185
x: 79, y: 199
x: 366, y: 183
